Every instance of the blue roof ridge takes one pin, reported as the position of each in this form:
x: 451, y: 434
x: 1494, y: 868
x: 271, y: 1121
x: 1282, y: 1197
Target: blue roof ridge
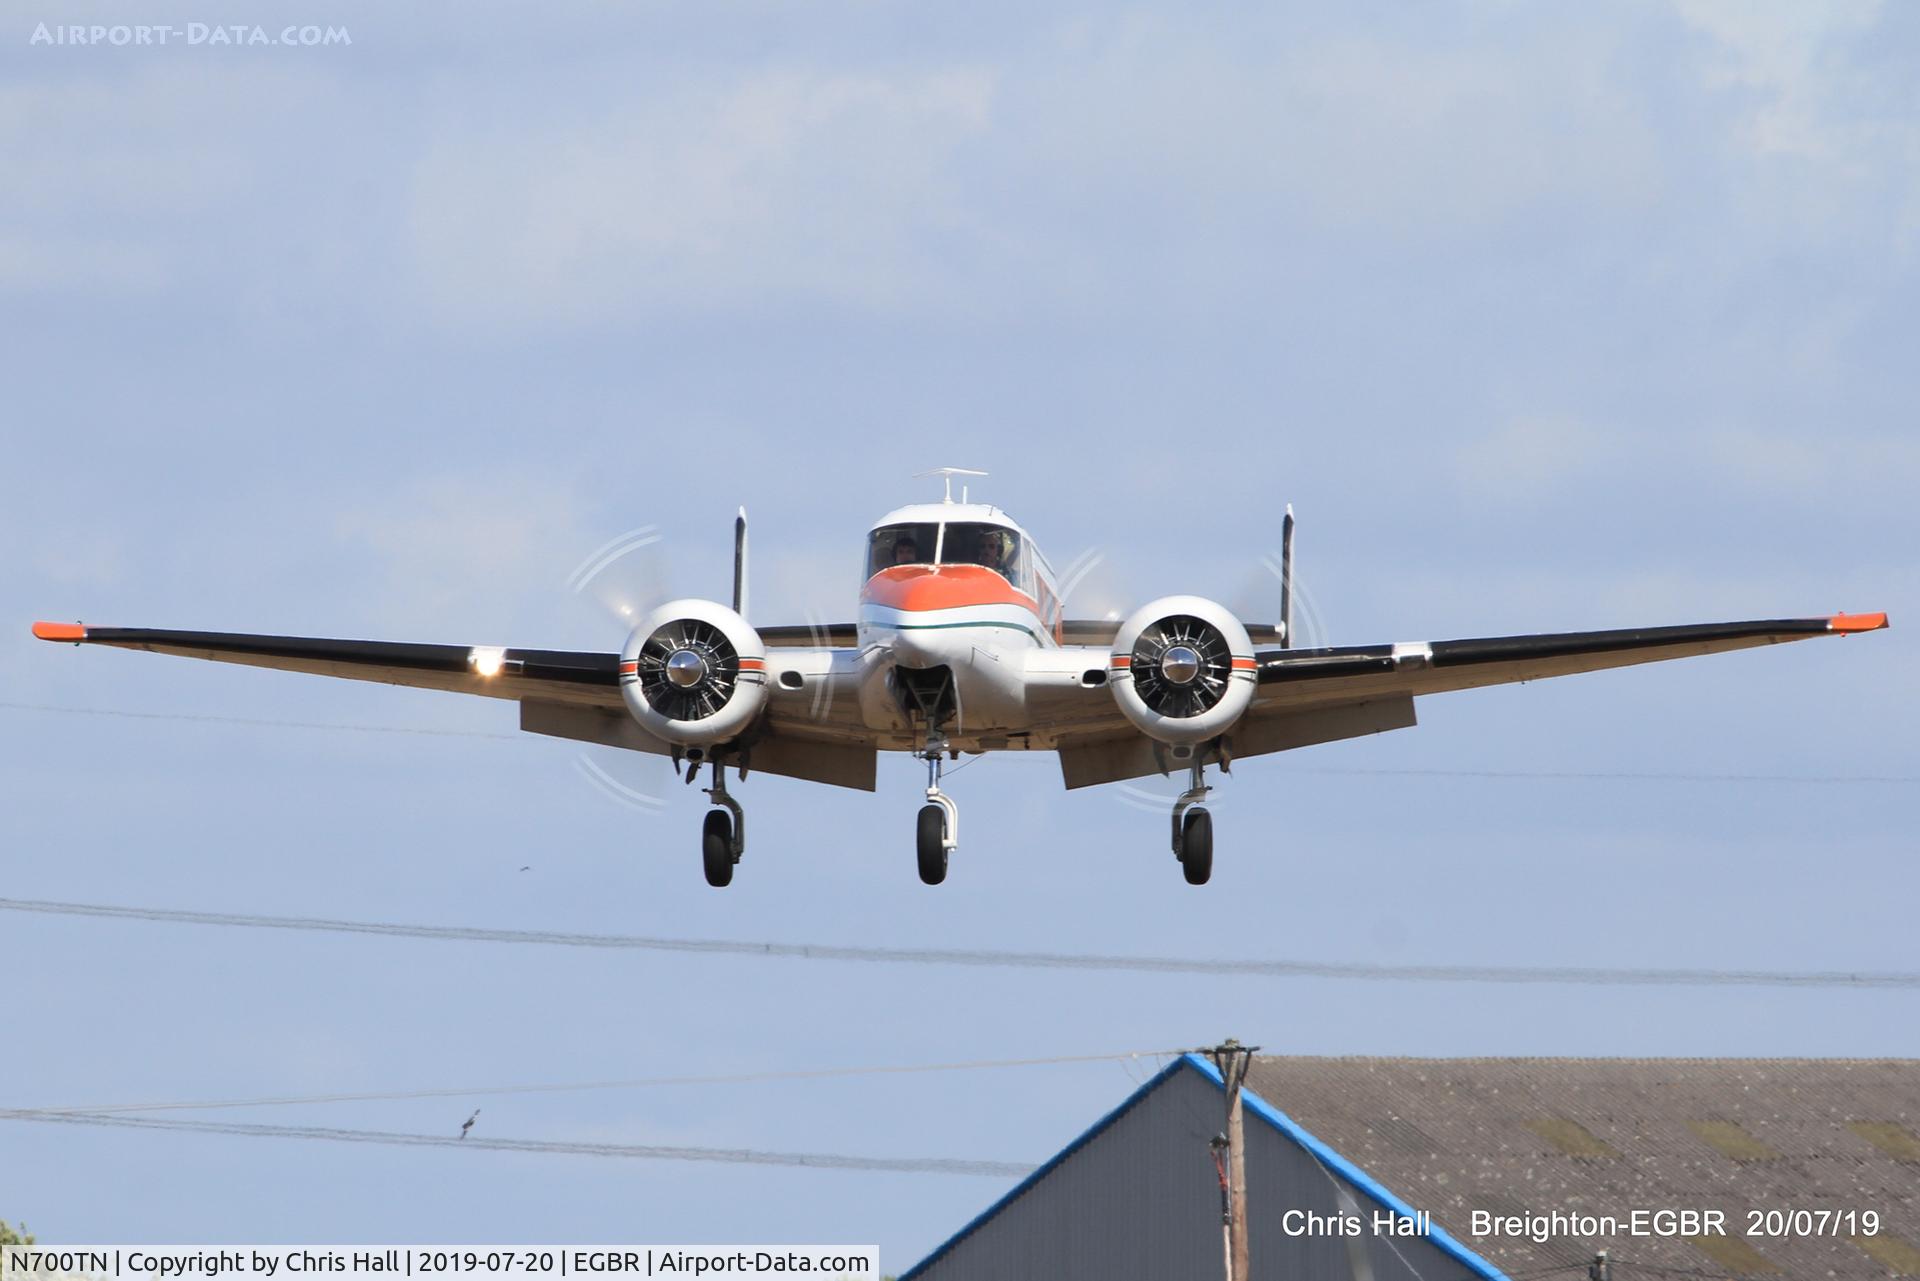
x: 1372, y: 1188
x: 1259, y: 1107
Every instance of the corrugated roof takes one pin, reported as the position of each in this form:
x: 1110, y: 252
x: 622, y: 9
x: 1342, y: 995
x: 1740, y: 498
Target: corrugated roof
x: 1610, y: 1136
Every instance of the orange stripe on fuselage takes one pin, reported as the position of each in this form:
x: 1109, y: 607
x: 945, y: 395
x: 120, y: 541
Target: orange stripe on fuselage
x: 922, y: 588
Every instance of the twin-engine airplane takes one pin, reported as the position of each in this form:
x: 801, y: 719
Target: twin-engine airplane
x: 962, y: 646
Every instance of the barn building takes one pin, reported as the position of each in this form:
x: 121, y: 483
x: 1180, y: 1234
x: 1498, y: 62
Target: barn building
x: 1525, y: 1168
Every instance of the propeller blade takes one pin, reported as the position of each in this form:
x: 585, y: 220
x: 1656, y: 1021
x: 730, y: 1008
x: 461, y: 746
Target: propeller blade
x: 626, y: 576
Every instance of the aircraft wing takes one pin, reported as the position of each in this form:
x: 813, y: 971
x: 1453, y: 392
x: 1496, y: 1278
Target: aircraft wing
x: 562, y: 693
x: 1306, y: 677
x: 547, y: 674
x: 1308, y: 696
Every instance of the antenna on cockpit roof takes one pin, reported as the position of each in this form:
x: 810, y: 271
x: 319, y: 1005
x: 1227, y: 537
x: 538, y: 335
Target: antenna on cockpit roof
x: 947, y: 474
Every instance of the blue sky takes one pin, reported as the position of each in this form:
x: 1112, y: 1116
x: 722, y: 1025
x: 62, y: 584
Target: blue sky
x: 1544, y: 318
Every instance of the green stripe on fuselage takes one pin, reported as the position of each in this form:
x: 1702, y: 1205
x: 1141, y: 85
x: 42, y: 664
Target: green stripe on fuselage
x: 936, y: 627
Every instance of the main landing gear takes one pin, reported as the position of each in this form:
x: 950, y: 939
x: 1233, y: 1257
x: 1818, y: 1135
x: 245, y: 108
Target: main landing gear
x: 1193, y: 828
x: 723, y: 836
x: 937, y: 832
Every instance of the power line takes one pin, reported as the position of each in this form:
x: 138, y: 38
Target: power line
x: 259, y: 723
x: 1664, y: 1270
x: 1617, y: 776
x: 738, y: 1078
x: 1603, y: 776
x: 1091, y: 962
x: 476, y: 1143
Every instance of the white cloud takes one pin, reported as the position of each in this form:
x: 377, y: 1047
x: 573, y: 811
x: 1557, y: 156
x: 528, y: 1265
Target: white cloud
x: 483, y: 551
x: 50, y: 261
x: 1078, y: 171
x: 1780, y: 50
x: 819, y: 186
x: 79, y: 557
x: 1848, y: 465
x: 1529, y: 460
x: 1402, y: 133
x: 1824, y: 120
x: 1093, y: 167
x: 1536, y: 460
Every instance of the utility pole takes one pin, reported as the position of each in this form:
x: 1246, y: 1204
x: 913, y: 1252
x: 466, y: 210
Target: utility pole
x: 1233, y: 1059
x: 1219, y: 1145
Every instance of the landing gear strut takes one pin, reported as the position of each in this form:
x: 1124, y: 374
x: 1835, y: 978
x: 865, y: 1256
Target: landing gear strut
x: 723, y: 836
x: 937, y: 831
x: 1193, y: 828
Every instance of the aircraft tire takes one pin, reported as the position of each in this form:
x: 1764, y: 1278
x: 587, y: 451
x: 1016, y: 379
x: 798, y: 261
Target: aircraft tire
x: 931, y: 832
x: 1196, y: 846
x: 716, y: 848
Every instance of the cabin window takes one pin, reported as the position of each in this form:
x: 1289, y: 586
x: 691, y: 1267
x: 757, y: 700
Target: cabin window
x: 892, y: 545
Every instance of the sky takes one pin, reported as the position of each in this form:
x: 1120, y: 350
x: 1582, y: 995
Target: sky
x: 1542, y: 317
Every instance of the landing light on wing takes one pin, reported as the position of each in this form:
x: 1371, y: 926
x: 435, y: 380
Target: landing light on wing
x: 487, y: 660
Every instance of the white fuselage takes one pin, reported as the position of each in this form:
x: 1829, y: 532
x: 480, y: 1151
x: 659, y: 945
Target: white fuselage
x: 956, y: 597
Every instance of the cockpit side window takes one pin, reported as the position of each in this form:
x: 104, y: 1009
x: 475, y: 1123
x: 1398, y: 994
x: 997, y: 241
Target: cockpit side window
x: 892, y: 545
x: 992, y: 547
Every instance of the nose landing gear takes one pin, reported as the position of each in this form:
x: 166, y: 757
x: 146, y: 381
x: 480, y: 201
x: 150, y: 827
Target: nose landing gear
x: 723, y: 836
x: 1193, y: 828
x: 937, y: 831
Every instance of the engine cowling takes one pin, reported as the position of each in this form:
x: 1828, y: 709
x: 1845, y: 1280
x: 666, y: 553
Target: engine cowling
x: 1182, y: 669
x: 694, y: 673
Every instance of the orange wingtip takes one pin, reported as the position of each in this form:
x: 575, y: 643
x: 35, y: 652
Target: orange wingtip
x: 1856, y: 622
x: 60, y: 631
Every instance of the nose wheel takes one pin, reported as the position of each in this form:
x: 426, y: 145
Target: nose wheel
x: 723, y: 835
x: 931, y: 832
x: 1193, y: 829
x: 937, y: 830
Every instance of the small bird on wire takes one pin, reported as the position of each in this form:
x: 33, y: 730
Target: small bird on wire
x: 469, y: 1124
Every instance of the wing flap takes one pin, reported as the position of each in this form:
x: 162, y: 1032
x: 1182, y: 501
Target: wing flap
x: 1108, y: 758
x: 841, y: 764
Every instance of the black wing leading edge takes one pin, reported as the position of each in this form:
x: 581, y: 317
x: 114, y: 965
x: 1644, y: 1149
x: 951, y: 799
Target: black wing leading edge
x: 543, y: 674
x: 1316, y: 675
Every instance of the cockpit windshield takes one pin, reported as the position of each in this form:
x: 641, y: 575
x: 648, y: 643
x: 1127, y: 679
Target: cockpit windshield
x: 992, y: 547
x: 901, y: 545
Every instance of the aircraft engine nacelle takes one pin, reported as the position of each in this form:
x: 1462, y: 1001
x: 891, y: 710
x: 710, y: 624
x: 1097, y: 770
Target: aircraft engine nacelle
x: 694, y: 673
x: 1182, y: 669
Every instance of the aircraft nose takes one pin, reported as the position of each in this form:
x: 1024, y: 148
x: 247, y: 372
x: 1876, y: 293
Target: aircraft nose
x: 915, y: 648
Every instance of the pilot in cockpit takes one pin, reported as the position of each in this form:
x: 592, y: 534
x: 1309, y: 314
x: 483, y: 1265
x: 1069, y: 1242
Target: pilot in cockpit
x: 993, y: 551
x: 905, y: 550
